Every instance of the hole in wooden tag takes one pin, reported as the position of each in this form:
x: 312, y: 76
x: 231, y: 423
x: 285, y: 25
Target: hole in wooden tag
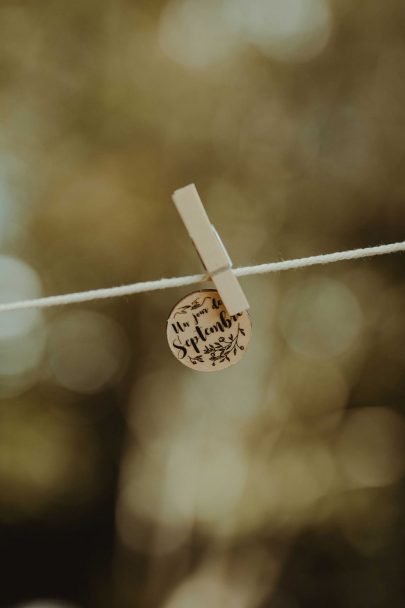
x: 203, y: 336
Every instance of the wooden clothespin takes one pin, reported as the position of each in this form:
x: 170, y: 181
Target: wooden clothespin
x: 210, y: 248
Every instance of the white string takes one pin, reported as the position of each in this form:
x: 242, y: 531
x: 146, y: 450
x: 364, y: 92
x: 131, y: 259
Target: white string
x: 126, y: 290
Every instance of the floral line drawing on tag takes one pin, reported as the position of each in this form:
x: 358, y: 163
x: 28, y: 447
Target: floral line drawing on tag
x: 193, y: 306
x: 221, y: 350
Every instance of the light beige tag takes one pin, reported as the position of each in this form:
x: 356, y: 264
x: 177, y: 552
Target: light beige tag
x: 203, y: 336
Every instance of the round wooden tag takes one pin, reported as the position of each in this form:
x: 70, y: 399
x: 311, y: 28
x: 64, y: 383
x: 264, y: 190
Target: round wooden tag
x: 203, y: 336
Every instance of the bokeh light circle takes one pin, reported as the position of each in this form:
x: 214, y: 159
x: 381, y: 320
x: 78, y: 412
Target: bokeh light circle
x: 320, y: 317
x: 18, y: 282
x: 371, y: 447
x: 289, y: 30
x: 87, y: 351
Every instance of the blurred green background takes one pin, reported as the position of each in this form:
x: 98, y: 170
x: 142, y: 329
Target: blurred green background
x: 127, y: 480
